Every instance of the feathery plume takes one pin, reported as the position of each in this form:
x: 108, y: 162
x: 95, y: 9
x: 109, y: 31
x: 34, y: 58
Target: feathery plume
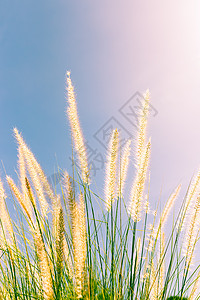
x: 76, y: 130
x: 33, y: 172
x: 169, y: 206
x: 4, y: 216
x: 78, y: 226
x: 56, y: 213
x: 151, y: 238
x: 135, y: 205
x: 124, y: 167
x: 142, y: 160
x: 23, y: 149
x: 60, y: 243
x: 194, y: 189
x: 45, y: 271
x: 46, y: 186
x: 18, y: 195
x: 141, y: 136
x: 22, y: 171
x: 79, y: 243
x: 30, y: 193
x: 191, y: 233
x: 70, y: 193
x: 111, y: 169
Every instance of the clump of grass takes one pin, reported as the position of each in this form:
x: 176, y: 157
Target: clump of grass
x: 71, y: 243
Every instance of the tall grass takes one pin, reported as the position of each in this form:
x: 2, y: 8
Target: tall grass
x: 76, y: 244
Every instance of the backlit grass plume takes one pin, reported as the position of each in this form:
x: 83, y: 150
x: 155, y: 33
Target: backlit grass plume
x: 124, y: 162
x: 142, y: 156
x: 142, y: 127
x: 18, y: 196
x: 136, y: 202
x: 193, y: 191
x: 76, y: 130
x: 78, y: 227
x: 33, y: 171
x: 23, y: 175
x: 169, y: 205
x: 111, y: 170
x: 4, y: 216
x: 60, y: 248
x: 79, y: 242
x: 44, y: 264
x: 65, y: 241
x: 192, y: 232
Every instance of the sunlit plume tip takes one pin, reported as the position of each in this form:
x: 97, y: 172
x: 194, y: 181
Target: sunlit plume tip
x: 33, y: 171
x: 76, y: 131
x: 142, y: 127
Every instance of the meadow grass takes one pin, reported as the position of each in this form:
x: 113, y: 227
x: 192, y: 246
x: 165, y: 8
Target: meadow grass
x: 75, y: 244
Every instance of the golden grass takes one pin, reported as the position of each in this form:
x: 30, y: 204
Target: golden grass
x: 62, y: 256
x: 111, y: 170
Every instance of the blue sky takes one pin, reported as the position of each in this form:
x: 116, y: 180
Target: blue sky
x: 113, y: 49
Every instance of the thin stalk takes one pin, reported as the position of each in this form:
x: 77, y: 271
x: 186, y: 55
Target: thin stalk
x: 131, y: 265
x: 112, y: 253
x: 96, y: 235
x: 142, y: 252
x: 89, y: 247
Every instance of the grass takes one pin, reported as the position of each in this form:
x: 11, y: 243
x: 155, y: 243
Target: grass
x: 70, y: 243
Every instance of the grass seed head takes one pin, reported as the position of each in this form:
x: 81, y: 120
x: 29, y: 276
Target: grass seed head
x: 77, y: 135
x: 4, y: 215
x: 124, y: 167
x: 32, y: 166
x: 111, y: 170
x: 45, y: 271
x: 135, y: 206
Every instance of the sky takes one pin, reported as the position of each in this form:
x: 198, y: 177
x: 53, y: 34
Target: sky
x: 114, y: 50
